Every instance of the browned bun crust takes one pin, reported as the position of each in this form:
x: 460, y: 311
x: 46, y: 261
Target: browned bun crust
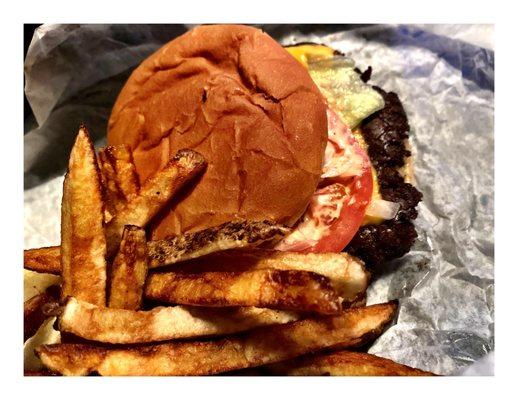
x: 236, y: 96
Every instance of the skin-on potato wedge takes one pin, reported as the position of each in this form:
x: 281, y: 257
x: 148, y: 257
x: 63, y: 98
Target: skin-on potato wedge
x: 121, y: 170
x: 346, y: 273
x: 83, y: 244
x: 230, y: 235
x: 343, y: 363
x: 34, y: 310
x: 45, y: 259
x: 129, y: 270
x: 119, y: 176
x: 154, y: 195
x: 113, y: 198
x: 117, y: 326
x: 270, y: 288
x: 354, y: 327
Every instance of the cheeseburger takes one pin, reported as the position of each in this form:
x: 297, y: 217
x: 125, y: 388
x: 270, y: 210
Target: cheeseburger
x: 295, y: 135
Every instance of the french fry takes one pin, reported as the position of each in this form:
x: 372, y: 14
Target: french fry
x: 119, y: 326
x: 34, y: 310
x: 129, y: 270
x: 154, y: 195
x: 270, y: 288
x: 120, y: 178
x: 45, y: 259
x: 354, y: 327
x: 343, y: 363
x: 112, y: 196
x: 346, y: 273
x: 125, y: 177
x: 83, y: 244
x: 230, y: 235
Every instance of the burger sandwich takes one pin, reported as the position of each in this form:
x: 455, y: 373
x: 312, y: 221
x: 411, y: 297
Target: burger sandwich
x: 294, y: 135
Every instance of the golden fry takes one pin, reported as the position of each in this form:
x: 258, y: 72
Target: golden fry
x: 83, y: 244
x: 266, y: 345
x: 129, y: 270
x: 284, y: 290
x: 117, y: 326
x: 121, y: 161
x: 45, y: 259
x: 346, y: 273
x: 344, y: 363
x: 119, y: 175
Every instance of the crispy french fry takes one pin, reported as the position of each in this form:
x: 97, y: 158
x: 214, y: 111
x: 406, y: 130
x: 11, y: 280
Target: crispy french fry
x: 44, y: 259
x: 346, y: 273
x: 154, y: 195
x: 266, y: 345
x: 270, y: 288
x: 34, y: 310
x: 343, y: 363
x: 125, y: 174
x: 83, y: 244
x: 129, y: 270
x: 230, y: 235
x: 112, y: 196
x: 119, y: 326
x: 119, y: 175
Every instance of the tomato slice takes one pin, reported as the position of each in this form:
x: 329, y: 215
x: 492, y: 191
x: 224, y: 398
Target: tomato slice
x: 337, y: 208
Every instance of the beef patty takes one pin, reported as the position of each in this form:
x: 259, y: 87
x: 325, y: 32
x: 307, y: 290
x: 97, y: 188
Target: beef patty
x: 385, y: 133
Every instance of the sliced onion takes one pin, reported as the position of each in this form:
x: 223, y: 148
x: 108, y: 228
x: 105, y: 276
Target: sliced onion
x: 383, y: 209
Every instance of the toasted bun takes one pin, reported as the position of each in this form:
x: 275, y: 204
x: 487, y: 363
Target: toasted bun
x: 236, y: 96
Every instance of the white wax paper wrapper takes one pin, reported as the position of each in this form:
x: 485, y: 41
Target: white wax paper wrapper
x: 445, y: 284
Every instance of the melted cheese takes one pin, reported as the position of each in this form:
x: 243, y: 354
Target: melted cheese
x: 310, y: 52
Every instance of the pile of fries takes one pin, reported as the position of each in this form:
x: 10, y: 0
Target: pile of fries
x: 209, y: 302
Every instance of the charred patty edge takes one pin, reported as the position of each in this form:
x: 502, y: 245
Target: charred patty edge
x: 386, y: 133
